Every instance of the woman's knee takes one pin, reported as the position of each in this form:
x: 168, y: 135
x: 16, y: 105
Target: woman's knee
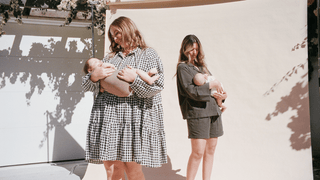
x: 133, y: 170
x: 114, y: 167
x: 110, y: 164
x: 211, y: 146
x: 210, y: 150
x: 198, y: 148
x: 198, y: 154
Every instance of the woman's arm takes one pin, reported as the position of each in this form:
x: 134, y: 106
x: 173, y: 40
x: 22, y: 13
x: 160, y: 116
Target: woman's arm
x: 88, y: 85
x: 90, y: 82
x: 184, y: 78
x: 149, y: 59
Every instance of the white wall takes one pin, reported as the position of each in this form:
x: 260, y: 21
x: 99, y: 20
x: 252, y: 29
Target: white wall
x: 256, y: 48
x: 44, y: 112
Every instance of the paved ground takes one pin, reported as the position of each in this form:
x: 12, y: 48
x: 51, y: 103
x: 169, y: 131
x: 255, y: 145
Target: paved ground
x: 71, y: 170
x: 75, y: 170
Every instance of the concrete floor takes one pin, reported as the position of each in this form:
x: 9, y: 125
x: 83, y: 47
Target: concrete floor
x: 70, y: 170
x: 76, y: 170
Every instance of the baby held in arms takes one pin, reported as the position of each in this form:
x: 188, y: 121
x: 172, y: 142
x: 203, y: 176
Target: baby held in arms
x: 200, y: 79
x: 113, y: 84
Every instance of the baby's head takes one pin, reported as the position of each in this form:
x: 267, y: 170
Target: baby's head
x: 199, y: 79
x: 91, y: 64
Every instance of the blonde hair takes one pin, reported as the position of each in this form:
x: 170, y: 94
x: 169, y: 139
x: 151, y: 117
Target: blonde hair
x: 130, y: 34
x: 183, y: 57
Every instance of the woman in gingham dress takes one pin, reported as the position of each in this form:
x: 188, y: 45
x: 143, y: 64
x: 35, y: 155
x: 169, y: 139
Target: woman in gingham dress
x: 127, y: 132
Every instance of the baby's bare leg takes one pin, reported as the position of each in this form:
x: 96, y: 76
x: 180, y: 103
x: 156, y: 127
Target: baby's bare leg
x: 219, y: 102
x: 145, y: 76
x: 152, y: 72
x: 219, y: 99
x: 223, y: 108
x: 221, y: 105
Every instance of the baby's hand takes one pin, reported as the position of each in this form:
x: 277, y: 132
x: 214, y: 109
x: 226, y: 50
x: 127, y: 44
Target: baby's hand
x: 108, y: 65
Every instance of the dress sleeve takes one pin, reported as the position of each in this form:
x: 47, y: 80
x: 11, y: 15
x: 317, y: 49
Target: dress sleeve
x: 149, y: 59
x: 185, y: 78
x: 88, y: 85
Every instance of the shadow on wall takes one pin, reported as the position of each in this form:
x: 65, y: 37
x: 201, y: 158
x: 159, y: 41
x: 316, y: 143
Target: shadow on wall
x: 165, y: 172
x: 58, y: 69
x: 297, y: 100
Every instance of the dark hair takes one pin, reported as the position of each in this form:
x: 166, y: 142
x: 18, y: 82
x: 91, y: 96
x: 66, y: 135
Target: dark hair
x: 86, y: 66
x: 187, y: 42
x: 130, y: 34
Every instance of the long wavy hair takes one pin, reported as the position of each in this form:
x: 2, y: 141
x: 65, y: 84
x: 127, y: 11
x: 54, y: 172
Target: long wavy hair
x: 183, y: 56
x: 130, y: 34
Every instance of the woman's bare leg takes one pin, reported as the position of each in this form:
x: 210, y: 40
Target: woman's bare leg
x: 115, y: 170
x: 208, y: 158
x: 198, y: 148
x: 134, y: 171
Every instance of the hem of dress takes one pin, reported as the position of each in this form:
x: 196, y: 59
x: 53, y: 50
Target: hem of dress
x: 98, y: 161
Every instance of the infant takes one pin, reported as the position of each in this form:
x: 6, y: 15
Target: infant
x: 200, y: 79
x: 113, y: 84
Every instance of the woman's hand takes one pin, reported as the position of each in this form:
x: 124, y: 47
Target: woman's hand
x: 127, y: 74
x: 102, y: 72
x: 216, y: 84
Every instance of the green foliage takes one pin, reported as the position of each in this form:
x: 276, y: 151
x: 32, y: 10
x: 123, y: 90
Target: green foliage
x: 99, y: 18
x: 13, y: 8
x: 312, y: 29
x: 72, y: 6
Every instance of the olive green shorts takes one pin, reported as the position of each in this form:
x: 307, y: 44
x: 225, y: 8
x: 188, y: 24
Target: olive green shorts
x: 205, y: 128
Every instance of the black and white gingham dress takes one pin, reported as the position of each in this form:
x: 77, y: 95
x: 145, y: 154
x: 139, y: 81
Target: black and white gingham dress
x: 128, y: 128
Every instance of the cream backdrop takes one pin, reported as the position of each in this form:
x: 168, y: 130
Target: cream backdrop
x: 257, y: 49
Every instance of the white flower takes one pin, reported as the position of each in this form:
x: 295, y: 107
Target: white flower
x: 67, y: 4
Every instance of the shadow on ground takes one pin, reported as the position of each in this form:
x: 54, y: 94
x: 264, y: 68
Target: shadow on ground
x: 77, y: 168
x: 165, y: 172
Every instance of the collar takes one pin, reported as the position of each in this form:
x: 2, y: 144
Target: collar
x: 135, y: 51
x: 199, y: 69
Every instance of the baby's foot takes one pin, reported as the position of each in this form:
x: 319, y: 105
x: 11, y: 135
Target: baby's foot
x: 223, y: 109
x: 153, y: 71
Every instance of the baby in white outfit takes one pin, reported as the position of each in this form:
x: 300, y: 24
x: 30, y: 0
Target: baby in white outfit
x: 200, y: 79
